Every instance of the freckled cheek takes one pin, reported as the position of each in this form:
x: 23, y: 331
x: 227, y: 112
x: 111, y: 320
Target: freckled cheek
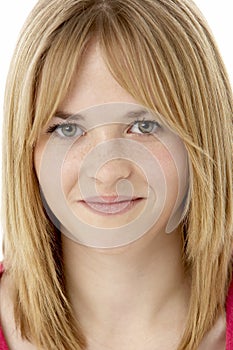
x: 168, y: 168
x: 73, y: 162
x: 166, y: 161
x: 71, y: 168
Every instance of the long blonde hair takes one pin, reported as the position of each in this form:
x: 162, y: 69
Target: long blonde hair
x: 163, y: 54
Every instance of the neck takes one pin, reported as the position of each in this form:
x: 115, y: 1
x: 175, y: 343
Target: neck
x: 132, y: 287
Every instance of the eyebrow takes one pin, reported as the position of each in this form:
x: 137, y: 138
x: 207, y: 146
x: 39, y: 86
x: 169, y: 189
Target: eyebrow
x: 78, y: 116
x: 66, y: 115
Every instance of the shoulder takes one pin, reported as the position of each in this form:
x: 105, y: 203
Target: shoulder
x: 215, y: 339
x: 220, y: 337
x: 9, y: 336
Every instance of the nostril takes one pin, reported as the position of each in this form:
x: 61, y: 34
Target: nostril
x: 112, y: 172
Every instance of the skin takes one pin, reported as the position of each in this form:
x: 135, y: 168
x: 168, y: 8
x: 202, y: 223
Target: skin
x: 130, y: 297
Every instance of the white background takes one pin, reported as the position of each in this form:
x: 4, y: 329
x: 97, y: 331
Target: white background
x: 13, y: 13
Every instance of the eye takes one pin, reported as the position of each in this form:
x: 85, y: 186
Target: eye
x: 68, y: 130
x: 145, y: 127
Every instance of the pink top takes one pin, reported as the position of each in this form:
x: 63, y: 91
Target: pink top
x: 229, y: 320
x: 3, y: 345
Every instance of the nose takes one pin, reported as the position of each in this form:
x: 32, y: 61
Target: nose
x: 113, y: 171
x: 110, y: 160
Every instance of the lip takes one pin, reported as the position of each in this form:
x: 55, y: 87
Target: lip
x: 111, y: 205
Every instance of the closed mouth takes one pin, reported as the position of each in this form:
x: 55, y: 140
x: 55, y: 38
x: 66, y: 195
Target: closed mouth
x: 107, y: 206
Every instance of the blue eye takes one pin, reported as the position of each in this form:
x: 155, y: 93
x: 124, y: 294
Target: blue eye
x: 66, y: 130
x: 145, y: 127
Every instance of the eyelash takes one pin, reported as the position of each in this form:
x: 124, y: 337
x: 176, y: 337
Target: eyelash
x: 155, y: 123
x: 54, y: 128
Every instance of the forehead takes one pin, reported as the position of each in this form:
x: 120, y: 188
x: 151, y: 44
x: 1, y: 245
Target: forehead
x: 93, y: 84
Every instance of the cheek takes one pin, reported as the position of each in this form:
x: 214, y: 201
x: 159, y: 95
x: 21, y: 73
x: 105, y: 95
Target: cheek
x: 71, y: 168
x: 164, y: 158
x: 172, y: 160
x: 170, y: 172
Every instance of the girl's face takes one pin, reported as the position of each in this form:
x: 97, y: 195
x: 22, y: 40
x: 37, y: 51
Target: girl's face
x: 110, y: 170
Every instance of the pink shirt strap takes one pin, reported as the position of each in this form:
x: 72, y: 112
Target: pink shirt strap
x: 229, y: 318
x: 3, y: 344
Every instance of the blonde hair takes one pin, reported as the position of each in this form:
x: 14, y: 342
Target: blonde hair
x: 163, y: 54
